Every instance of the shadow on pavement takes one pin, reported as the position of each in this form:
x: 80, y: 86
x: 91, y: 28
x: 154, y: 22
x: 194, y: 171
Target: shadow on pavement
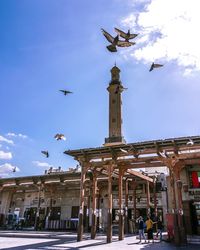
x: 58, y: 242
x: 55, y: 244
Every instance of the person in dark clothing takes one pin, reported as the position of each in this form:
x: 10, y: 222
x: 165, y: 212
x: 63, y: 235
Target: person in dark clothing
x: 141, y: 224
x: 160, y: 229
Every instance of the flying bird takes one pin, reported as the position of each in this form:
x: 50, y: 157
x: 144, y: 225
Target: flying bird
x: 119, y: 88
x: 124, y: 35
x: 115, y: 42
x: 65, y: 92
x: 124, y: 151
x: 155, y: 65
x: 46, y: 153
x: 59, y: 137
x: 14, y: 169
x: 190, y: 142
x: 163, y: 154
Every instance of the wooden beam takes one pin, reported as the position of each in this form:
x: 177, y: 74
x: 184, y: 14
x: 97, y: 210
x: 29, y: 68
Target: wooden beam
x: 144, y: 165
x: 138, y: 174
x: 151, y: 161
x: 192, y: 161
x: 148, y: 147
x: 186, y: 156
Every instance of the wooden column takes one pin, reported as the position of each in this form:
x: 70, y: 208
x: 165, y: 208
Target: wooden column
x: 148, y: 198
x: 51, y: 200
x: 11, y: 198
x: 81, y: 207
x: 38, y: 209
x: 155, y: 198
x: 121, y: 219
x: 126, y: 207
x: 134, y: 204
x: 176, y: 230
x: 179, y: 192
x: 109, y: 217
x: 155, y: 202
x: 182, y: 232
x: 99, y: 218
x: 94, y: 204
x: 88, y: 210
x: 173, y: 189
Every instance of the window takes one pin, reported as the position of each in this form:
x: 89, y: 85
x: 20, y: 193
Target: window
x: 74, y: 211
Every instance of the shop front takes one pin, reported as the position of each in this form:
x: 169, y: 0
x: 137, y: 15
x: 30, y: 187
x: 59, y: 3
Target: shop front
x: 194, y: 200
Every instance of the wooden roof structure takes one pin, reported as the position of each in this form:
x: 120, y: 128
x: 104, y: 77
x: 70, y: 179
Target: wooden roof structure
x: 171, y: 144
x: 123, y: 160
x: 147, y: 154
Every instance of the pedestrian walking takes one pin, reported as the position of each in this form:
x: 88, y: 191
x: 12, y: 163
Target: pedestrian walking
x: 149, y: 224
x: 160, y: 228
x: 141, y: 224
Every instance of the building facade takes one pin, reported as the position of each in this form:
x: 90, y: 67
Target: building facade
x: 51, y: 201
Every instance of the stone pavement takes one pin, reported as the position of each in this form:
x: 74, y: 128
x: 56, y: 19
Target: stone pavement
x: 26, y: 240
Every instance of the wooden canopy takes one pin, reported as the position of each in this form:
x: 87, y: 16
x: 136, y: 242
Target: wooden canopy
x: 121, y: 161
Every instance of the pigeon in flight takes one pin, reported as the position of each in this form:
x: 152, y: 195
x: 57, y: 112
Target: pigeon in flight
x: 163, y: 154
x: 155, y: 65
x: 115, y: 42
x: 119, y: 88
x: 123, y: 150
x: 190, y: 142
x: 46, y: 153
x: 14, y: 169
x: 59, y: 137
x: 124, y: 35
x: 65, y: 92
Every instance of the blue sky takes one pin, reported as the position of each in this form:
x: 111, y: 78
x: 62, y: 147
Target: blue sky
x: 55, y: 44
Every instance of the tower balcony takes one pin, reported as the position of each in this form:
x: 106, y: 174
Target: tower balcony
x: 114, y: 140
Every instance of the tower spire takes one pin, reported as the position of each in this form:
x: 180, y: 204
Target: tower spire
x: 115, y: 89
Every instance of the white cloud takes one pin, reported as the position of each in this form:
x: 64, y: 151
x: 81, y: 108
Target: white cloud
x: 17, y: 135
x: 168, y: 30
x: 7, y: 169
x: 41, y: 164
x: 3, y: 139
x: 5, y: 155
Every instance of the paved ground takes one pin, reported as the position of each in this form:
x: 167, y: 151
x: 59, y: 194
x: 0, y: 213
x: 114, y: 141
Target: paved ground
x: 16, y: 240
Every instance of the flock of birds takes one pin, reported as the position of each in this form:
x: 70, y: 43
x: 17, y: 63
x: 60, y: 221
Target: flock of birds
x: 58, y: 136
x: 116, y: 42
